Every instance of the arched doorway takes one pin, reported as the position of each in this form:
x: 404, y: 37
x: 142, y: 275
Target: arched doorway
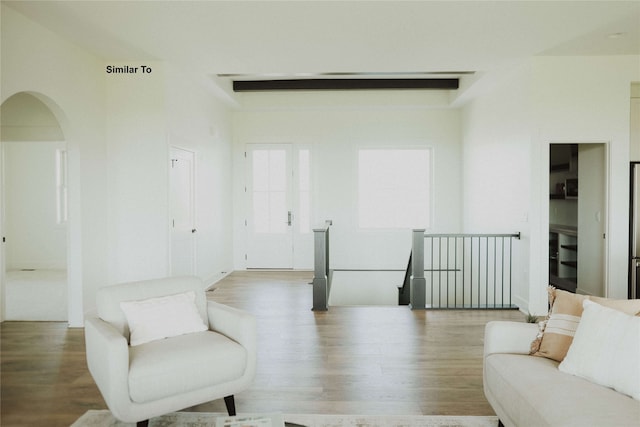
x: 34, y: 222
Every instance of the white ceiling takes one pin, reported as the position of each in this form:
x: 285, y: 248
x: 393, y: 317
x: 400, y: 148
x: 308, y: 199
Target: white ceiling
x: 315, y: 37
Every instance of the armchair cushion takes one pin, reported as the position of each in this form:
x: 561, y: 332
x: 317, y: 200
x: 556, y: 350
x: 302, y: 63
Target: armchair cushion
x: 109, y: 298
x: 183, y: 363
x: 162, y: 317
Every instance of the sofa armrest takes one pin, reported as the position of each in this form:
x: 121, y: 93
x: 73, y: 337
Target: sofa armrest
x: 236, y: 324
x: 108, y: 359
x: 509, y: 337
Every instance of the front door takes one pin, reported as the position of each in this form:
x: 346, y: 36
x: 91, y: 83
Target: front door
x: 270, y: 216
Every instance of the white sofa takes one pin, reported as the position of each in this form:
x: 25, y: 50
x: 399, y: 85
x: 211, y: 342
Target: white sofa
x: 530, y: 391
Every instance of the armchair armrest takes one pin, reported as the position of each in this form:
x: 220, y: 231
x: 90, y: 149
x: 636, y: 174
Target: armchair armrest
x: 108, y: 360
x: 509, y: 337
x: 238, y: 325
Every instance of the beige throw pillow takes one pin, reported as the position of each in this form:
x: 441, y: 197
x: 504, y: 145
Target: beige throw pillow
x: 557, y: 331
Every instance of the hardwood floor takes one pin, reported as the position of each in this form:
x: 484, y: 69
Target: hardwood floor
x: 357, y: 360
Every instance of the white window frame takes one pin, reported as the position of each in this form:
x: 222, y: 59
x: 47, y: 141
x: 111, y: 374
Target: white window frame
x: 62, y: 209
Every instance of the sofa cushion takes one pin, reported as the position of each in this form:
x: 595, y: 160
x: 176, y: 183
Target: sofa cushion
x: 558, y: 329
x: 606, y: 349
x: 531, y: 391
x: 183, y: 363
x: 162, y: 317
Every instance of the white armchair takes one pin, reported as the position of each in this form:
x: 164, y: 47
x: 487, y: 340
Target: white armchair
x: 143, y: 381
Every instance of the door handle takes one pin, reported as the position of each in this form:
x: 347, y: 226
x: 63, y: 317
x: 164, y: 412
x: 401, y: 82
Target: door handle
x: 289, y: 217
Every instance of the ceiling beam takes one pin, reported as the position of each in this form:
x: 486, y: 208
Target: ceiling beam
x: 343, y: 84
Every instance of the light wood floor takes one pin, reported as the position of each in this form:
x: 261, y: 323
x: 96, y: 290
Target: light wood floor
x: 352, y: 360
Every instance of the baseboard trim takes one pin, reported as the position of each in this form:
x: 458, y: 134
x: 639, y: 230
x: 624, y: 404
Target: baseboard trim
x: 521, y: 303
x: 212, y: 280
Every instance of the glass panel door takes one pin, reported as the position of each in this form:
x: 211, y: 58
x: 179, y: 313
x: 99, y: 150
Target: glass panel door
x: 270, y: 219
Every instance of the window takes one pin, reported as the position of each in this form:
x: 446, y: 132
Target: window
x: 280, y: 189
x: 304, y: 192
x: 61, y: 186
x: 270, y: 190
x: 394, y: 188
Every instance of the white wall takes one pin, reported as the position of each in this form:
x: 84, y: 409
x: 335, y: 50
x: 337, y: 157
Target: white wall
x: 148, y: 113
x: 496, y: 165
x: 71, y: 83
x: 586, y: 99
x: 118, y: 128
x: 335, y: 125
x: 137, y: 162
x: 198, y: 121
x: 634, y: 140
x: 507, y: 132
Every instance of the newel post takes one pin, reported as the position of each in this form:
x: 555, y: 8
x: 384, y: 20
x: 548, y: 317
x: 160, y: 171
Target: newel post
x: 418, y: 281
x: 321, y: 271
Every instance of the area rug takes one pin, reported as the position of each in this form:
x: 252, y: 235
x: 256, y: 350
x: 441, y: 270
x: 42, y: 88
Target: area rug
x: 103, y: 418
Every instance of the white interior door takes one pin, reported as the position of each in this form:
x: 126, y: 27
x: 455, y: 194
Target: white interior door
x: 270, y: 214
x: 634, y: 234
x: 183, y: 228
x: 592, y: 219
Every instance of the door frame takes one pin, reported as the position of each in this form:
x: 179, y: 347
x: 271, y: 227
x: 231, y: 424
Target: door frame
x: 544, y: 204
x: 194, y: 264
x: 3, y: 268
x: 633, y: 167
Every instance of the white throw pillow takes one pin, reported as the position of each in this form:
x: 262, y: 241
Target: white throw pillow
x: 606, y: 349
x: 162, y: 317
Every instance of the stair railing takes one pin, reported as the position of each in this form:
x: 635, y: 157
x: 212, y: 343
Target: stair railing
x: 464, y: 271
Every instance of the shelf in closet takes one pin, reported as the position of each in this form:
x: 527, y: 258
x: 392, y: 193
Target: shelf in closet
x: 572, y: 264
x: 569, y: 230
